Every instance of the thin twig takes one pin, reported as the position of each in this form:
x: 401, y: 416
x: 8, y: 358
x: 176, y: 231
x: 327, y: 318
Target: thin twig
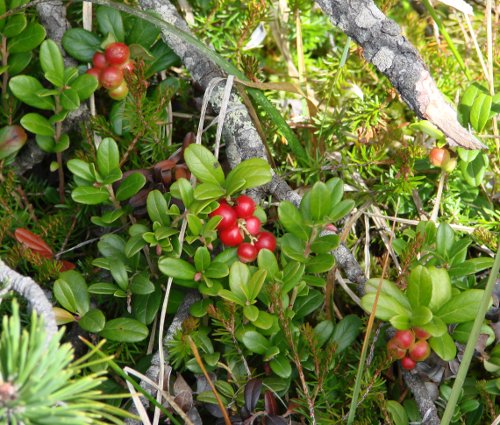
x: 196, y: 354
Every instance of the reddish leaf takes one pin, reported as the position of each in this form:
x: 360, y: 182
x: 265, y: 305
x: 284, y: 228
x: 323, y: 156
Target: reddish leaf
x: 65, y: 265
x: 34, y: 242
x: 271, y: 406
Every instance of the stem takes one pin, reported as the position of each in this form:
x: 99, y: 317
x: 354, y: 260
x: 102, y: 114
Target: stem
x: 447, y: 37
x: 471, y: 343
x: 369, y: 327
x: 118, y: 370
x: 57, y: 137
x: 196, y: 354
x: 5, y: 56
x: 435, y: 210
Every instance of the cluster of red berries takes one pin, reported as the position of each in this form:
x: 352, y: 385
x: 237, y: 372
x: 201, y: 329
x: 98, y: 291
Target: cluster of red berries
x: 239, y: 227
x: 109, y: 68
x: 409, y: 346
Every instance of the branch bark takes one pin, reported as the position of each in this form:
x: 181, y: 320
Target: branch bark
x: 31, y: 291
x: 393, y: 55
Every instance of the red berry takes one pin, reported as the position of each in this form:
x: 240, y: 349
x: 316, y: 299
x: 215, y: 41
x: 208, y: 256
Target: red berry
x: 265, y: 240
x: 228, y: 216
x: 438, y: 156
x: 99, y: 60
x: 247, y: 252
x: 252, y: 224
x: 95, y: 72
x: 128, y: 66
x: 408, y: 363
x: 420, y: 351
x: 117, y: 53
x: 245, y: 206
x: 231, y: 236
x: 394, y: 350
x: 421, y: 334
x: 404, y: 339
x: 111, y: 77
x: 120, y: 92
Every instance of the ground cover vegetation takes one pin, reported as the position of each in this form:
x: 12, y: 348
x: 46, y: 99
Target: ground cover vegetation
x: 324, y: 257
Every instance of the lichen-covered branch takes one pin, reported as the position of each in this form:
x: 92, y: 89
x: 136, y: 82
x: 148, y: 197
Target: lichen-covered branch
x: 30, y: 291
x: 393, y: 55
x: 424, y: 402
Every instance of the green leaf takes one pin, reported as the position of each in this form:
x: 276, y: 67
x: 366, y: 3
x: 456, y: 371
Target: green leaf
x: 467, y: 101
x: 480, y: 111
x: 119, y: 272
x: 462, y: 307
x: 208, y: 191
x: 138, y: 31
x: 84, y: 85
x: 103, y: 288
x: 444, y: 239
x: 346, y: 332
x: 325, y: 244
x: 472, y: 266
x: 248, y: 174
x: 81, y: 44
x: 52, y: 62
x: 216, y: 270
x: 29, y: 39
x: 293, y: 247
x: 441, y: 287
x: 443, y: 346
x: 14, y: 25
x: 71, y: 292
x: 428, y: 128
x: 280, y: 365
x: 164, y: 57
x: 110, y: 21
x: 124, y: 330
x: 251, y: 312
x: 307, y: 304
x: 232, y: 297
x: 401, y: 321
x: 108, y: 157
x: 108, y: 218
x: 18, y: 62
x: 266, y: 260
x: 92, y: 321
x: 387, y: 306
x: 255, y: 342
x: 419, y: 290
x: 141, y: 285
x: 28, y: 89
x: 320, y: 263
x: 145, y: 307
x: 203, y: 164
x: 266, y: 321
x: 341, y: 209
x: 81, y: 169
x: 292, y: 275
x: 239, y: 275
x: 291, y: 219
x: 183, y: 190
x: 421, y: 315
x: 319, y: 201
x: 397, y: 412
x: 37, y: 124
x: 90, y: 195
x: 130, y: 186
x: 157, y: 208
x: 134, y: 245
x: 467, y: 155
x: 70, y: 100
x: 176, y: 268
x: 323, y: 331
x: 255, y: 284
x: 462, y: 332
x: 436, y: 327
x: 475, y: 170
x: 390, y: 289
x: 201, y: 258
